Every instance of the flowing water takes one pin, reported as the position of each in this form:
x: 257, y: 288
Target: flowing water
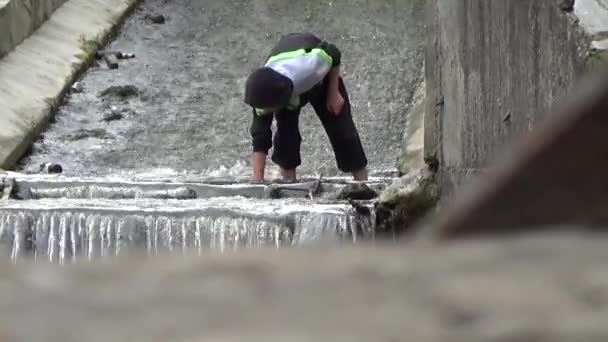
x: 164, y: 166
x: 66, y: 229
x: 64, y: 219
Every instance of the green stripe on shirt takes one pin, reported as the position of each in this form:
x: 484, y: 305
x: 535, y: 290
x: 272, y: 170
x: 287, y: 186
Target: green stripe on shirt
x: 301, y: 53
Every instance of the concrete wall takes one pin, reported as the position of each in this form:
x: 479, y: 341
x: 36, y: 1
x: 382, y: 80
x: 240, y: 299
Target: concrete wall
x: 20, y: 18
x: 494, y: 68
x: 35, y: 75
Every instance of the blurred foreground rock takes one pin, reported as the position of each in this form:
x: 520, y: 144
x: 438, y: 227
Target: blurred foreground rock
x: 545, y: 288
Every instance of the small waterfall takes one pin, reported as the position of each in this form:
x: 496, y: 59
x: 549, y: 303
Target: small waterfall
x: 345, y: 226
x: 69, y: 234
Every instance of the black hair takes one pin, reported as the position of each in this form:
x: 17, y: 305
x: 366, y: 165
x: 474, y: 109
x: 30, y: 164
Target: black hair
x: 266, y: 88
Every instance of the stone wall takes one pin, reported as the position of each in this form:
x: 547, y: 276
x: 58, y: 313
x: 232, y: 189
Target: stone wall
x: 20, y: 18
x: 495, y: 68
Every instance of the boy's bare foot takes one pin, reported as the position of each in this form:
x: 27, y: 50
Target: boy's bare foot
x: 360, y: 175
x: 289, y: 176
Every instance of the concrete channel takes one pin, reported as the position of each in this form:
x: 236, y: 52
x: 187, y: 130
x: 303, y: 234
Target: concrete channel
x: 184, y: 112
x: 155, y: 130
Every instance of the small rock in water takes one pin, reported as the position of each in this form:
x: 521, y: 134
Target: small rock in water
x: 405, y: 201
x: 51, y: 168
x: 113, y: 114
x: 122, y: 55
x: 179, y: 193
x: 111, y: 61
x: 77, y: 88
x: 156, y: 18
x: 87, y: 133
x: 357, y: 191
x: 122, y: 92
x: 7, y: 188
x: 118, y: 54
x: 272, y: 192
x: 183, y: 193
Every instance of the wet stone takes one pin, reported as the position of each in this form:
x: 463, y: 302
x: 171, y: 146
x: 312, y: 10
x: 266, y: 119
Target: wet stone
x: 6, y: 188
x: 77, y: 88
x: 112, y: 115
x: 87, y: 133
x: 155, y: 18
x: 272, y: 192
x: 111, y: 61
x: 179, y: 193
x: 122, y: 55
x: 117, y: 54
x: 51, y: 168
x: 121, y: 92
x: 358, y: 191
x: 406, y: 201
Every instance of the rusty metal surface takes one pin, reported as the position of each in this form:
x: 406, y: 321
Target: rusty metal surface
x: 557, y: 174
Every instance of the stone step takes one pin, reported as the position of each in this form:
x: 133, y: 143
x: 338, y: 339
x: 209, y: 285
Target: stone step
x: 54, y: 186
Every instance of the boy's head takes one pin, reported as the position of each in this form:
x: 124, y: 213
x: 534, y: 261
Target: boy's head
x: 268, y: 89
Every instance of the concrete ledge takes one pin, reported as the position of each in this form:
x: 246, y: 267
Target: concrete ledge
x: 35, y: 75
x: 20, y: 18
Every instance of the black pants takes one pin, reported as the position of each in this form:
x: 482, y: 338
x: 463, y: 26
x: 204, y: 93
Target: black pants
x: 340, y: 129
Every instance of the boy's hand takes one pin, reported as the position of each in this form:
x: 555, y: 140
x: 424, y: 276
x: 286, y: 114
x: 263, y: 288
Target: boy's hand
x: 335, y: 103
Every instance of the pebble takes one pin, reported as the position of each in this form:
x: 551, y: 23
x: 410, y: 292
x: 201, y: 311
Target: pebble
x: 51, y: 168
x: 112, y: 115
x: 86, y: 133
x: 121, y: 91
x: 125, y: 55
x: 111, y: 61
x: 156, y: 18
x: 77, y: 88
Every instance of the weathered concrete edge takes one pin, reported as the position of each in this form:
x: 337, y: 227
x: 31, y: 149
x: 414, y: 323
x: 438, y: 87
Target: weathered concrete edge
x: 18, y: 20
x: 86, y: 57
x: 411, y: 157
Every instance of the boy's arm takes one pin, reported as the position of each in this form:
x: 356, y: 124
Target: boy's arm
x: 334, y: 98
x: 333, y: 86
x: 261, y: 135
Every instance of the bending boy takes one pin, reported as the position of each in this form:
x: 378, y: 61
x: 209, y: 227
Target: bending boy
x: 301, y: 69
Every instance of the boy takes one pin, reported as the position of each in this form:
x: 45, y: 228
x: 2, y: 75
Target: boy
x: 301, y: 69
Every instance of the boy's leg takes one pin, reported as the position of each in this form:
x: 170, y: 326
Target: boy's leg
x: 342, y: 133
x: 287, y: 141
